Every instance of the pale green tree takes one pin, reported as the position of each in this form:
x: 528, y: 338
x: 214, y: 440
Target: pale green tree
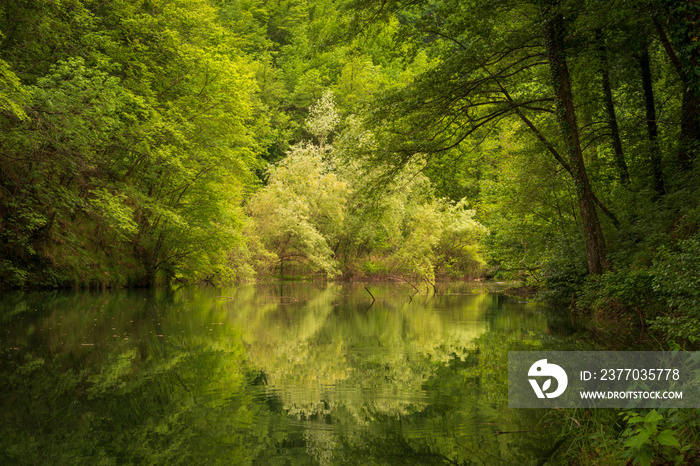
x: 297, y: 213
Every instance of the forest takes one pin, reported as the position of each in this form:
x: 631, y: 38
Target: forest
x: 148, y: 143
x: 168, y: 142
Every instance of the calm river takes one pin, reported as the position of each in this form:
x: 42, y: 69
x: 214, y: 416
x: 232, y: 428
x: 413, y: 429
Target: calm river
x: 287, y: 374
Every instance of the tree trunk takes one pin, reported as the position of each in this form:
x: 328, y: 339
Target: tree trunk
x: 623, y: 172
x: 690, y: 106
x: 690, y: 129
x: 596, y: 253
x: 654, y: 155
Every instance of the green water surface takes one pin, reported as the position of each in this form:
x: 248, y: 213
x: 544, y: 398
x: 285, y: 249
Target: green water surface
x: 292, y: 373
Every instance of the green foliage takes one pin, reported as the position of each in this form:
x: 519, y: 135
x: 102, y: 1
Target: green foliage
x: 629, y: 289
x: 131, y: 166
x: 435, y: 237
x: 677, y: 276
x: 297, y: 213
x: 677, y: 329
x: 13, y: 96
x: 675, y: 281
x: 641, y: 433
x: 139, y: 142
x: 565, y: 275
x: 648, y: 437
x: 317, y: 208
x: 608, y: 436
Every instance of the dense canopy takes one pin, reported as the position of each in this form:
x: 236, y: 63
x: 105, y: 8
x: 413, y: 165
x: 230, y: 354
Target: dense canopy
x: 150, y: 143
x: 158, y: 142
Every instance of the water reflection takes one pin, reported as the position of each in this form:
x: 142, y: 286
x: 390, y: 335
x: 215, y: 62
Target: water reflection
x: 275, y: 374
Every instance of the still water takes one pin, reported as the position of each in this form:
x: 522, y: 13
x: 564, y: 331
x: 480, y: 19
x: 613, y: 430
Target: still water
x: 291, y: 373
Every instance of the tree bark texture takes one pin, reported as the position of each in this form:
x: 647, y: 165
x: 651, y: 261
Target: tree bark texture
x: 690, y: 105
x: 652, y: 128
x: 596, y: 253
x: 623, y: 172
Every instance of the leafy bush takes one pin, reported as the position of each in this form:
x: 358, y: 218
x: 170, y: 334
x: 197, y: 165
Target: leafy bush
x: 676, y: 282
x: 317, y: 212
x: 677, y: 276
x: 619, y: 295
x: 678, y: 329
x: 564, y: 275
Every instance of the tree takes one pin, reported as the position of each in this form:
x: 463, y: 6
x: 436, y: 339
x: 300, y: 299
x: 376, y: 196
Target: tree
x: 317, y: 210
x: 610, y: 110
x: 131, y: 164
x: 596, y: 252
x: 681, y: 19
x: 488, y: 74
x: 299, y: 210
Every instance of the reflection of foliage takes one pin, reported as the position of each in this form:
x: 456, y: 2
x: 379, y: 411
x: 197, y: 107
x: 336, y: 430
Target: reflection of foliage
x: 454, y: 425
x: 152, y: 404
x: 314, y: 378
x: 103, y: 387
x: 397, y: 383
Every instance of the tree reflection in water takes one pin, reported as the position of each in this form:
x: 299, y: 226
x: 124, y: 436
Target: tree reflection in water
x: 278, y: 374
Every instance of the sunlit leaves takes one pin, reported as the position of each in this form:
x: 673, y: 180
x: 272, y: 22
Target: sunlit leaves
x: 141, y: 139
x: 298, y: 211
x: 12, y: 96
x: 316, y: 207
x: 323, y: 118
